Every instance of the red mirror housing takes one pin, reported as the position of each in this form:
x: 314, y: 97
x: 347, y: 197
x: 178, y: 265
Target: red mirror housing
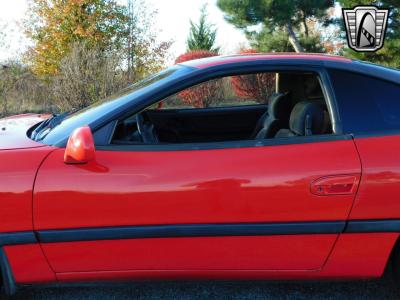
x: 80, y: 147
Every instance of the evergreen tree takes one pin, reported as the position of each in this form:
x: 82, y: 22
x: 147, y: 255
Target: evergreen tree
x: 390, y: 53
x: 202, y: 35
x: 284, y: 24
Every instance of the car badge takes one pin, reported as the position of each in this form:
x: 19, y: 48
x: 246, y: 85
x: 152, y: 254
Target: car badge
x: 365, y: 27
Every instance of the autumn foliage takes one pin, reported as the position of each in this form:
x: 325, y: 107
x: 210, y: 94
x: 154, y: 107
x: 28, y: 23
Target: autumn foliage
x: 204, y: 94
x: 258, y: 87
x: 80, y: 51
x: 196, y: 54
x: 55, y: 25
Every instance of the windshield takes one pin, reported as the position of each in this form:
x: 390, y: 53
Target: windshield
x: 88, y: 115
x: 131, y: 88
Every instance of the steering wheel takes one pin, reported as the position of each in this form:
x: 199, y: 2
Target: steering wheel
x: 146, y: 131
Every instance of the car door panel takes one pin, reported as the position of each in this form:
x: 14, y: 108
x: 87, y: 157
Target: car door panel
x: 378, y: 196
x: 301, y: 252
x: 269, y: 184
x: 223, y: 123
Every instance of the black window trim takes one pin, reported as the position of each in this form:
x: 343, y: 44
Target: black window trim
x: 200, y: 76
x: 225, y: 144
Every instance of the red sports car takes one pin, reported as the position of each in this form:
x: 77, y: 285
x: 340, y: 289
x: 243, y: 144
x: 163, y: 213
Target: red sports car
x: 269, y: 166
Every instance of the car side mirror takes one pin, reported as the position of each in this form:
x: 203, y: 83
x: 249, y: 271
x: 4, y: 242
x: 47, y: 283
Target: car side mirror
x: 80, y: 147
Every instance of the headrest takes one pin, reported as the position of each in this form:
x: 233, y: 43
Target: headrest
x: 307, y: 118
x: 312, y: 88
x: 280, y: 106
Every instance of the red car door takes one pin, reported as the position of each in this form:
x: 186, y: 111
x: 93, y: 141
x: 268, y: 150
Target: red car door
x: 277, y: 206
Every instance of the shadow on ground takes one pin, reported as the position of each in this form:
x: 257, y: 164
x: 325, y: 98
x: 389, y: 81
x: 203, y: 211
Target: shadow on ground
x: 378, y: 289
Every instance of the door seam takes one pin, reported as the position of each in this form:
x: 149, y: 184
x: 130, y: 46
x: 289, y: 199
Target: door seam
x: 32, y: 210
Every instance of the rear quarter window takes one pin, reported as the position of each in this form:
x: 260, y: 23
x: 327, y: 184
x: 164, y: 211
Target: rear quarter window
x: 366, y: 104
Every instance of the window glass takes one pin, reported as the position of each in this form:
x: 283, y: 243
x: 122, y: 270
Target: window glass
x: 102, y: 108
x: 233, y: 108
x: 238, y: 90
x: 366, y: 104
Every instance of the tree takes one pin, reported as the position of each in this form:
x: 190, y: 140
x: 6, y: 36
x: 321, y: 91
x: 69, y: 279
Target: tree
x: 278, y: 19
x: 85, y: 77
x: 2, y: 35
x: 142, y: 50
x: 390, y: 54
x: 7, y: 31
x: 20, y: 90
x: 204, y: 94
x: 55, y: 25
x: 267, y: 40
x: 197, y: 54
x: 258, y: 87
x: 202, y: 35
x: 85, y: 50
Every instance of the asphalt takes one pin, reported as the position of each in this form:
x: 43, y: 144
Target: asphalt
x: 385, y: 288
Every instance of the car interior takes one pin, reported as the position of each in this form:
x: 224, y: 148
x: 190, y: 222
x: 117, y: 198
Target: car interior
x: 295, y: 106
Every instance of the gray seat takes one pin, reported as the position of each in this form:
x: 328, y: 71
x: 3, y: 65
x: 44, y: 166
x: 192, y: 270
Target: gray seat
x: 146, y: 130
x: 275, y: 118
x: 306, y: 118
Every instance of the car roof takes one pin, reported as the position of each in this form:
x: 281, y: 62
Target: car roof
x: 242, y: 58
x: 329, y: 61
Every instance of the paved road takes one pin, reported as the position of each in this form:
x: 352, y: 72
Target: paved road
x: 379, y: 289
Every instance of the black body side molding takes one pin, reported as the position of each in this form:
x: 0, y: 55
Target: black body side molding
x: 17, y: 238
x: 198, y: 230
x: 190, y: 230
x: 370, y: 226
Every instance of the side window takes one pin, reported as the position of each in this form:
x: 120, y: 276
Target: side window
x: 241, y: 107
x: 366, y: 104
x: 241, y: 90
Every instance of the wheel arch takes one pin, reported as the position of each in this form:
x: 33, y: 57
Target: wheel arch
x: 393, y: 262
x: 7, y: 276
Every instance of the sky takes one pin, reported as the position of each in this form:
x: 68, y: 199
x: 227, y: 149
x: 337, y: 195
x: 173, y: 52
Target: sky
x: 172, y: 23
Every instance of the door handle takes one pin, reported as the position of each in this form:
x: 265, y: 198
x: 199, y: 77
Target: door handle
x: 335, y: 185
